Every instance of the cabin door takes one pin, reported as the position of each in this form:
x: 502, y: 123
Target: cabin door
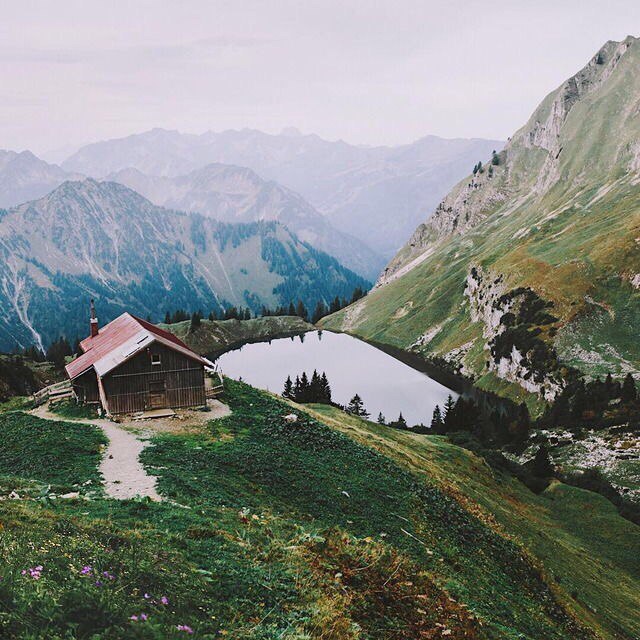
x: 157, y: 394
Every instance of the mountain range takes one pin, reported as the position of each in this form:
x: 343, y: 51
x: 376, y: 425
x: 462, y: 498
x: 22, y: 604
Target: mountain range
x: 377, y: 194
x: 23, y: 177
x: 100, y: 239
x: 237, y: 194
x: 530, y: 266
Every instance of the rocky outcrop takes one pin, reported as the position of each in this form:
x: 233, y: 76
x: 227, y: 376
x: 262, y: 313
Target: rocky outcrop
x: 510, y: 322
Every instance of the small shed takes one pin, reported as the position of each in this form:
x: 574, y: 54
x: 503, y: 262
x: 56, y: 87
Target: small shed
x: 131, y: 365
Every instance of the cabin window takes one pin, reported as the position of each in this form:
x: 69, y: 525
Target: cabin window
x: 155, y: 359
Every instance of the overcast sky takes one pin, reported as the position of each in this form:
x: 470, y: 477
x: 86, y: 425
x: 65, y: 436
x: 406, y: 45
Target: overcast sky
x: 370, y: 72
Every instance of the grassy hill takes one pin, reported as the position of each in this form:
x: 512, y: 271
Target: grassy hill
x: 556, y: 213
x: 329, y: 527
x: 214, y: 337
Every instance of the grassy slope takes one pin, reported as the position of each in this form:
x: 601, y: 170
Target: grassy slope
x: 63, y: 454
x: 579, y: 252
x: 584, y: 545
x: 220, y: 335
x: 271, y: 547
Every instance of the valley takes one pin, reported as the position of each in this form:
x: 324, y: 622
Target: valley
x: 261, y: 384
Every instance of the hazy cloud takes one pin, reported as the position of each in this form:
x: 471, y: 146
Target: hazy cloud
x: 366, y: 71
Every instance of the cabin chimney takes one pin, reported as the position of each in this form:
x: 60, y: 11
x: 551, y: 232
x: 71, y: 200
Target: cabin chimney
x: 94, y: 320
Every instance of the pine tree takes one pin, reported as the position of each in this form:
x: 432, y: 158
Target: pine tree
x: 326, y: 389
x: 381, y: 418
x: 629, y: 391
x: 437, y: 423
x: 297, y: 389
x: 288, y: 388
x: 448, y: 415
x: 167, y: 318
x: 495, y: 158
x: 301, y: 311
x: 580, y: 401
x: 195, y: 322
x: 542, y: 467
x: 356, y: 407
x: 358, y: 293
x: 319, y: 312
x: 401, y: 423
x: 58, y: 351
x: 304, y: 388
x: 292, y: 310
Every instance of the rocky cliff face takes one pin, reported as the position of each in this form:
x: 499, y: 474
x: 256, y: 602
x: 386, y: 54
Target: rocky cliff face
x: 90, y: 239
x: 553, y: 219
x: 501, y: 312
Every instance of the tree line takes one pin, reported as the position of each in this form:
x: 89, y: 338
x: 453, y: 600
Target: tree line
x: 230, y: 312
x: 308, y: 389
x: 596, y: 404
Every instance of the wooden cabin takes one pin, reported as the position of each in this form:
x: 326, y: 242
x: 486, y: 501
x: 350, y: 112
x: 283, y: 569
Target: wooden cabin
x: 130, y: 365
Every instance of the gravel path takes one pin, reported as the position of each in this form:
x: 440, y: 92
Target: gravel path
x: 124, y: 476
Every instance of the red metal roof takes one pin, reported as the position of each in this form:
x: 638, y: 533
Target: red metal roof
x: 107, y: 345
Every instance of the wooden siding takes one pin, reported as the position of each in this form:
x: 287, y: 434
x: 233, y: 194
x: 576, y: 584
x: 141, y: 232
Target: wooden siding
x: 139, y: 385
x: 86, y: 387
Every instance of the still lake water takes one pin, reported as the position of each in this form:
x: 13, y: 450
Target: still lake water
x: 352, y: 366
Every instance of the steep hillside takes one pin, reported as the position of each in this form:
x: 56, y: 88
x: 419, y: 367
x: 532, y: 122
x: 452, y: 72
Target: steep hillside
x: 89, y: 239
x: 24, y: 177
x: 236, y: 194
x: 324, y: 528
x: 378, y: 194
x: 532, y: 263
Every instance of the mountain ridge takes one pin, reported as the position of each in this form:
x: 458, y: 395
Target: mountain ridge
x: 232, y: 193
x: 551, y: 221
x: 24, y: 176
x: 376, y: 193
x: 103, y: 240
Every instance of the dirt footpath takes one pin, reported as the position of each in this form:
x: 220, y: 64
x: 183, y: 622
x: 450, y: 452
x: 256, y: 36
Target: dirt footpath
x: 123, y: 473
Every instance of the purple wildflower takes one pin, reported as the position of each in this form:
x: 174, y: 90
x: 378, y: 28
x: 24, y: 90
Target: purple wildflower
x: 185, y: 628
x: 164, y: 600
x: 34, y: 572
x: 86, y: 570
x: 98, y: 583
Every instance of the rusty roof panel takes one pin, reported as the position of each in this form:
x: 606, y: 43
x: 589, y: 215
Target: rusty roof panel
x: 120, y: 340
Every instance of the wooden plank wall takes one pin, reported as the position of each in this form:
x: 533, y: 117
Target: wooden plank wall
x: 127, y: 387
x: 86, y: 387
